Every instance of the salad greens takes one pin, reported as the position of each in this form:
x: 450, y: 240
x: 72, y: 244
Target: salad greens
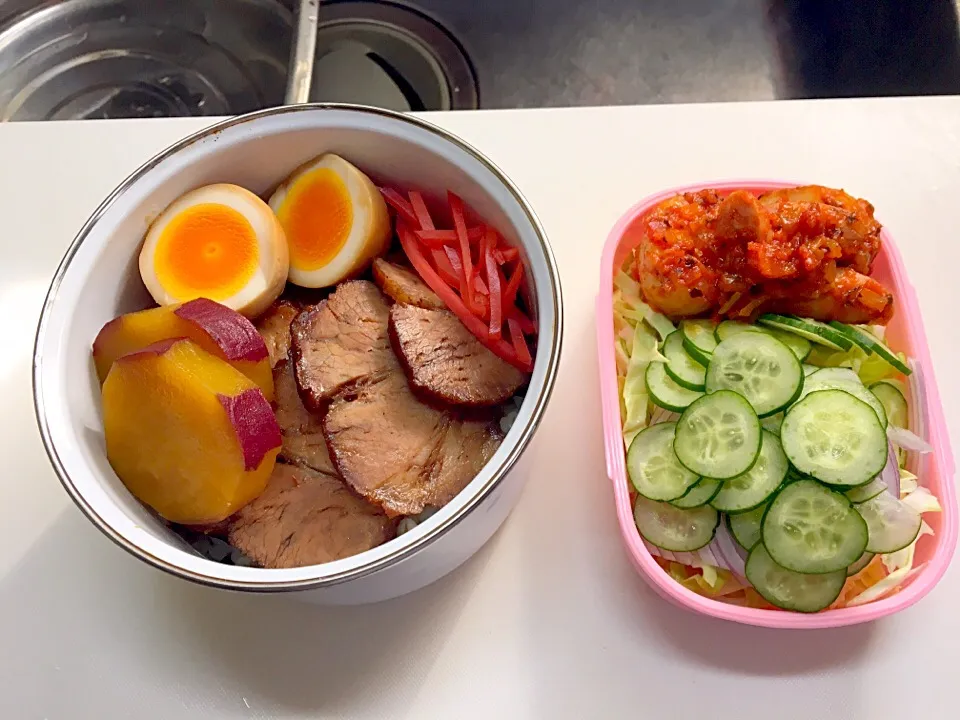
x: 640, y: 334
x: 639, y: 330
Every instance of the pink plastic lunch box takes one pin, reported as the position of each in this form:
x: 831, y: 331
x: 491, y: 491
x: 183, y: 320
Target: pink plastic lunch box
x: 936, y: 469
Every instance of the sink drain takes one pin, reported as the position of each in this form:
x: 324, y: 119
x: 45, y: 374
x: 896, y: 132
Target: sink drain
x: 81, y: 59
x: 389, y: 55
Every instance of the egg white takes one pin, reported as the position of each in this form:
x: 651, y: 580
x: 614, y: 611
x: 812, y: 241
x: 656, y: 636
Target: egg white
x: 369, y: 234
x: 273, y: 263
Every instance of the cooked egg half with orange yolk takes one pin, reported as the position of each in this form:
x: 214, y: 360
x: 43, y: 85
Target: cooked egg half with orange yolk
x: 334, y: 219
x: 220, y: 242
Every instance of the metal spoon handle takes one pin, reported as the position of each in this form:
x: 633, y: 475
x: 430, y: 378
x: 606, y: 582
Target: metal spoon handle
x: 300, y: 71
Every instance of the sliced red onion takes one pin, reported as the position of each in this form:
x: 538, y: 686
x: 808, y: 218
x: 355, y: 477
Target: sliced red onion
x: 733, y: 556
x: 658, y: 552
x: 908, y: 440
x: 891, y: 471
x: 722, y: 552
x: 703, y: 556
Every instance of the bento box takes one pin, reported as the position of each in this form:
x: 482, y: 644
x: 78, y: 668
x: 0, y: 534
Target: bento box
x: 935, y: 469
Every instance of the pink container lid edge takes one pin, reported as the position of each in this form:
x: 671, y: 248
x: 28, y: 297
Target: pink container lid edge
x: 938, y: 476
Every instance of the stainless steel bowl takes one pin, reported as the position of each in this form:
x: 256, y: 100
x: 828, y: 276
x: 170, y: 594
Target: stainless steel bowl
x: 98, y: 279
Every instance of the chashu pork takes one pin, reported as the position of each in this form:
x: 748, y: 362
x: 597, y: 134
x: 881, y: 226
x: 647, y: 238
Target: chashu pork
x: 404, y: 286
x: 341, y: 340
x: 401, y: 453
x: 304, y: 517
x: 274, y: 326
x: 446, y: 361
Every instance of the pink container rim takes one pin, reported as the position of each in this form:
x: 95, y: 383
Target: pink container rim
x: 939, y: 473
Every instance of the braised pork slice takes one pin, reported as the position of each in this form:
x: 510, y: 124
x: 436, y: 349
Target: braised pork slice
x: 306, y: 518
x: 404, y: 286
x: 274, y: 326
x: 445, y: 360
x: 343, y: 339
x: 300, y: 429
x: 400, y: 453
x: 466, y: 448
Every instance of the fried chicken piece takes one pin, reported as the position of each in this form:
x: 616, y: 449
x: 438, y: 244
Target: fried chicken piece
x: 805, y: 250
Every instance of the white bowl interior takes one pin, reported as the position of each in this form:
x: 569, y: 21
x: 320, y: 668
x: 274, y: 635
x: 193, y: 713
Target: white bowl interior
x: 100, y: 280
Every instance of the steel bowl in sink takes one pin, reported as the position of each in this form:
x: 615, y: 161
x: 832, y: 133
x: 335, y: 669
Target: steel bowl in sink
x: 79, y: 59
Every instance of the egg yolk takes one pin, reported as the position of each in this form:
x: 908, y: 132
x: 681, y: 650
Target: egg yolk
x: 317, y: 216
x: 208, y: 250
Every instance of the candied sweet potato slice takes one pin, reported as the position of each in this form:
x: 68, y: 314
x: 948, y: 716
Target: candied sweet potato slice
x: 188, y: 434
x: 216, y: 328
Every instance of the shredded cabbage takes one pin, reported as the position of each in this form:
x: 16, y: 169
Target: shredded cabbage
x: 875, y: 368
x: 635, y: 398
x: 628, y: 303
x: 626, y: 284
x: 709, y: 581
x: 711, y: 577
x: 898, y: 565
x: 639, y: 330
x: 870, y: 368
x: 908, y: 482
x: 923, y: 501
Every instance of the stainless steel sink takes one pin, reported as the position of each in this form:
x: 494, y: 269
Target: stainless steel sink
x: 145, y: 58
x: 141, y: 58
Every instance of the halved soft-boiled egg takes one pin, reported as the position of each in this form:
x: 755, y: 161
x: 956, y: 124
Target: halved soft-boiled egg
x: 334, y: 218
x: 220, y: 242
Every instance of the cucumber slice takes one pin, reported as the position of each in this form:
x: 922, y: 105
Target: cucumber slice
x: 891, y: 357
x: 858, y: 337
x: 699, y: 494
x: 745, y: 526
x: 872, y: 344
x: 893, y: 401
x: 772, y: 423
x: 836, y: 378
x: 839, y: 375
x: 759, y: 367
x: 809, y: 370
x: 860, y: 564
x: 680, y: 366
x: 793, y: 474
x: 835, y: 438
x: 653, y: 467
x: 698, y: 339
x: 809, y: 528
x: 792, y: 590
x: 866, y: 492
x: 731, y: 327
x: 665, y: 392
x: 891, y: 523
x: 800, y: 346
x: 757, y: 484
x: 718, y: 436
x: 813, y: 330
x: 673, y: 528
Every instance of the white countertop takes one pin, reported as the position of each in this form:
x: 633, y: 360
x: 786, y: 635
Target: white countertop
x: 549, y: 620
